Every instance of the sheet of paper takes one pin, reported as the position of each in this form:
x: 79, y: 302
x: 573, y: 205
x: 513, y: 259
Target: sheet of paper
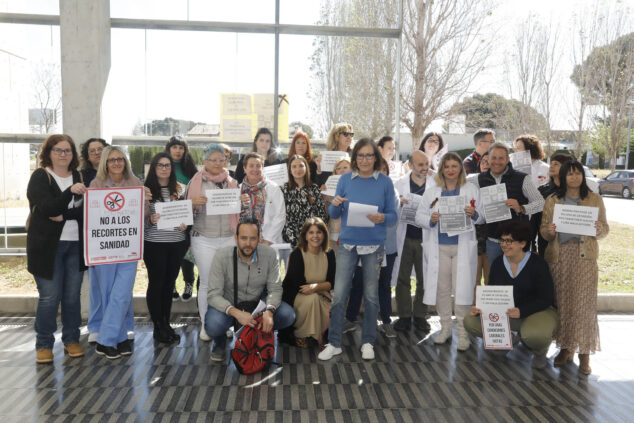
x: 453, y: 219
x: 276, y: 173
x: 331, y: 185
x: 396, y: 169
x: 496, y: 330
x: 521, y: 161
x: 578, y: 220
x: 495, y: 297
x: 357, y: 214
x: 329, y: 158
x: 223, y: 201
x: 174, y: 213
x: 408, y: 211
x: 494, y: 203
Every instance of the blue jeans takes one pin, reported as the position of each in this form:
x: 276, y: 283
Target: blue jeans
x: 346, y: 264
x: 493, y: 251
x: 64, y: 287
x: 385, y: 292
x: 115, y: 282
x: 217, y: 323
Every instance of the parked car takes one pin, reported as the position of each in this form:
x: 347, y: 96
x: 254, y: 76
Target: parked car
x: 619, y: 182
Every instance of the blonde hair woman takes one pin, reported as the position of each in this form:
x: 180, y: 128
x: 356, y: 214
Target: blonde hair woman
x: 339, y: 139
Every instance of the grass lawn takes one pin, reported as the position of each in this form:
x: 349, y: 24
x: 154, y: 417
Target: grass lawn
x: 616, y: 270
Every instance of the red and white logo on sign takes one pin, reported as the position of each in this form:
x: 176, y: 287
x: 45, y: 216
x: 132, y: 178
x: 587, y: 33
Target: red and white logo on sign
x: 494, y: 317
x: 114, y: 201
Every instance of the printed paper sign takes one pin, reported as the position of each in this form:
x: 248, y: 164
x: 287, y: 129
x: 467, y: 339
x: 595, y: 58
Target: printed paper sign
x: 223, y: 201
x: 453, y: 218
x: 494, y: 203
x: 113, y: 225
x: 329, y: 158
x: 331, y: 185
x: 494, y: 301
x: 276, y: 173
x: 578, y: 220
x: 521, y: 161
x: 357, y: 215
x: 235, y: 129
x: 174, y: 213
x: 236, y: 104
x: 396, y: 169
x: 408, y: 211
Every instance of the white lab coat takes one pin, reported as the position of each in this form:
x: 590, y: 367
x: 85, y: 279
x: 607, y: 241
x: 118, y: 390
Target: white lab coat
x: 467, y: 248
x: 402, y: 186
x: 274, y: 214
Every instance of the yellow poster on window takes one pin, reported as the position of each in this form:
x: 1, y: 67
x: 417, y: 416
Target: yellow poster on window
x: 242, y: 114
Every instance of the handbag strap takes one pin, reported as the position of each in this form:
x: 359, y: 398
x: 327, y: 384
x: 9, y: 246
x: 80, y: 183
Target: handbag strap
x: 235, y: 276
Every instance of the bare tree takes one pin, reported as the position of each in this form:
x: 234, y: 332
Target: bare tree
x: 47, y: 96
x: 444, y: 49
x: 550, y: 59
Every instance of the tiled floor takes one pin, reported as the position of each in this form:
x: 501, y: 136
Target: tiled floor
x: 411, y: 380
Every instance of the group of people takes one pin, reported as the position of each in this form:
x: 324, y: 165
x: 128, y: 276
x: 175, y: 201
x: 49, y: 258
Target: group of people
x: 373, y: 232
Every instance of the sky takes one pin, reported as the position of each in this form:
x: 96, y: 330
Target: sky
x: 155, y: 74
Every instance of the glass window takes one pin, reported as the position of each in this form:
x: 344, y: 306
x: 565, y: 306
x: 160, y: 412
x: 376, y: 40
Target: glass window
x: 347, y: 13
x: 38, y: 7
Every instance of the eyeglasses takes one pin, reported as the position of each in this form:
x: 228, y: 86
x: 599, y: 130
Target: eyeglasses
x: 116, y: 160
x: 433, y: 141
x: 164, y: 165
x: 348, y: 134
x: 507, y: 241
x: 95, y: 150
x: 365, y: 157
x: 216, y: 161
x: 61, y: 151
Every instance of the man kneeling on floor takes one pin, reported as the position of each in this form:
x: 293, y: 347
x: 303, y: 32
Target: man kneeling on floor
x: 258, y: 276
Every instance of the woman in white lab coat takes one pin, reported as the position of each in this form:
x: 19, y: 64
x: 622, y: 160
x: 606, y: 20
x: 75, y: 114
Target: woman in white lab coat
x: 449, y: 262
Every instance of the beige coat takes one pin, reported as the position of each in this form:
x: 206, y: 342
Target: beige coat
x: 588, y: 245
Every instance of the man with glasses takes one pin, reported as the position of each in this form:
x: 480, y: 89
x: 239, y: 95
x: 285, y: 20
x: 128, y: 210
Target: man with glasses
x: 483, y: 138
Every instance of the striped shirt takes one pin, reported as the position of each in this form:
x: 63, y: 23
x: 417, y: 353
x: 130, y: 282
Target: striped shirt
x: 153, y: 234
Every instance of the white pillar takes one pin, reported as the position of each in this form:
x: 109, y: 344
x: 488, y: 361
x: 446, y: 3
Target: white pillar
x: 85, y: 48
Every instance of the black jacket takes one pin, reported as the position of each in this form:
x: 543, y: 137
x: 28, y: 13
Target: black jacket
x: 295, y: 278
x: 47, y: 200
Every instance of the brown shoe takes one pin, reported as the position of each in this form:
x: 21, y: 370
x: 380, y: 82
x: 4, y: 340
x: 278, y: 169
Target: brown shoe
x: 44, y: 356
x: 584, y: 364
x: 564, y: 356
x: 301, y: 342
x: 74, y: 349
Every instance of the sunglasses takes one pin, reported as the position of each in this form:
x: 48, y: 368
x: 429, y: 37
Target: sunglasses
x: 348, y: 134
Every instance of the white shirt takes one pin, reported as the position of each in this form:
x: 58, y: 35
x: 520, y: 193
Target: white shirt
x: 71, y: 229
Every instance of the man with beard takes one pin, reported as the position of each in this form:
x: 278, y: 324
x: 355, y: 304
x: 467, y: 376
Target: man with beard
x: 258, y: 277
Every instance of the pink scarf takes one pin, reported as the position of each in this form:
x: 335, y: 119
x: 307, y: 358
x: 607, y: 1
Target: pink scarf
x: 195, y: 188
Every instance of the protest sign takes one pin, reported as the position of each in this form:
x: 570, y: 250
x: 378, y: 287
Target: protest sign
x: 578, y: 220
x: 494, y: 301
x: 357, y: 215
x: 174, y: 213
x: 453, y: 218
x: 522, y: 161
x: 396, y: 169
x: 223, y: 201
x: 113, y: 225
x: 330, y: 158
x: 276, y: 173
x: 408, y: 211
x: 331, y: 185
x: 494, y: 203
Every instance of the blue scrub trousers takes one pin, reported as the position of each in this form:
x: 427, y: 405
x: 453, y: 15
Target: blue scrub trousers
x: 95, y: 316
x: 115, y: 282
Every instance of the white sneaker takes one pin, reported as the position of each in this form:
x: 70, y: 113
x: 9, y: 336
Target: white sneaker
x: 463, y: 340
x: 329, y: 352
x: 131, y: 335
x: 203, y: 335
x: 367, y: 352
x: 443, y: 335
x: 92, y: 337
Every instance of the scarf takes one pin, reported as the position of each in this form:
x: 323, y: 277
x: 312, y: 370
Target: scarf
x: 257, y: 195
x: 222, y: 181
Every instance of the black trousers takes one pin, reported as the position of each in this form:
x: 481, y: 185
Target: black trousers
x: 163, y: 262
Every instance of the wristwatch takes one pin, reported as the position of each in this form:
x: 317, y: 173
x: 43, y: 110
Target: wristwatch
x: 522, y: 210
x: 271, y: 309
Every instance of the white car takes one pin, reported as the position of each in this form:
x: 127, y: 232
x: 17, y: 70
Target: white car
x: 591, y: 180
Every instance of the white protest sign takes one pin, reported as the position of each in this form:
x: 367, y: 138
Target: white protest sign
x: 396, y: 169
x: 453, y: 218
x: 357, y: 215
x: 330, y: 158
x: 331, y: 185
x: 494, y: 203
x: 578, y: 220
x: 276, y: 173
x: 113, y: 225
x: 223, y: 201
x: 173, y: 213
x: 521, y: 161
x: 408, y: 211
x: 494, y: 301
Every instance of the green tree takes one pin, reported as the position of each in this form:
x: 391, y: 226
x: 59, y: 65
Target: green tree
x: 304, y: 127
x: 169, y: 127
x: 606, y: 78
x: 494, y: 111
